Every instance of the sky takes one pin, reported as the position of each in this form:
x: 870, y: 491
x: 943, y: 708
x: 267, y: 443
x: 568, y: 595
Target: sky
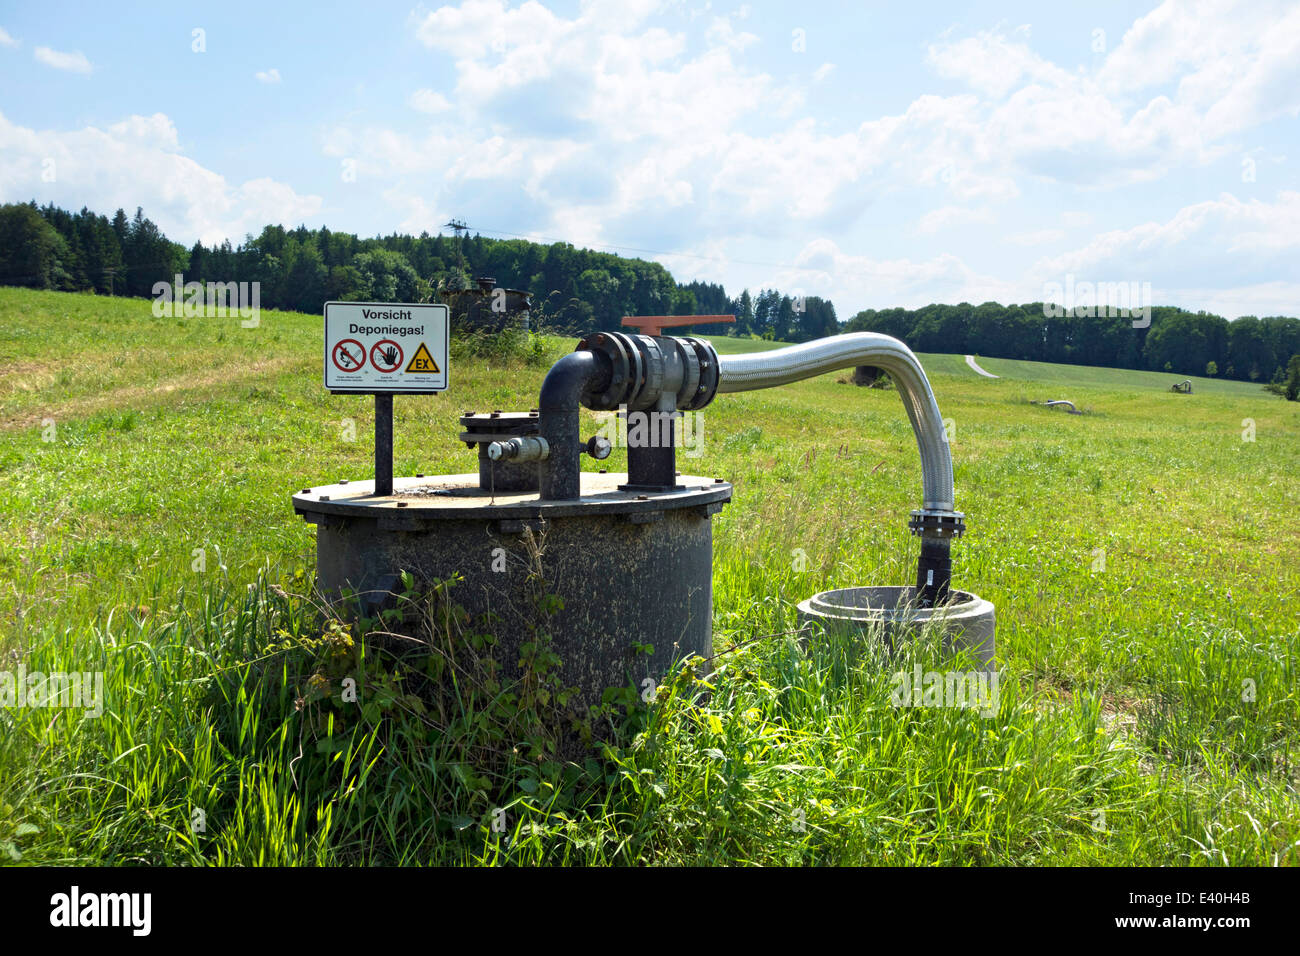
x: 875, y: 154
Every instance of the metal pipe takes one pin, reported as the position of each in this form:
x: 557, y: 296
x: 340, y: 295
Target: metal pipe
x: 937, y: 523
x: 558, y: 422
x: 740, y: 373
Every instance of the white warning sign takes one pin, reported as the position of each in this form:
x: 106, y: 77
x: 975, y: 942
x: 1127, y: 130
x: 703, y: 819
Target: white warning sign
x: 386, y: 347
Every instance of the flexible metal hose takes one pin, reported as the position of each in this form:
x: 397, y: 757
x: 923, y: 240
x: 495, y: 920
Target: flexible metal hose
x: 740, y: 373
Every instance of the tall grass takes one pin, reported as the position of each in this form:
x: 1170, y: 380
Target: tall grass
x: 1141, y: 559
x: 784, y: 748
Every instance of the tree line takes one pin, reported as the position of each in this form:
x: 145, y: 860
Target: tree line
x: 581, y: 290
x: 1249, y: 348
x: 573, y: 290
x: 51, y: 248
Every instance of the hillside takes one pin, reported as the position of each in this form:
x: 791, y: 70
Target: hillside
x: 146, y: 468
x: 1069, y: 375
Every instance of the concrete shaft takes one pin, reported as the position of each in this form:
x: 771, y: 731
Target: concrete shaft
x: 967, y: 622
x: 629, y: 569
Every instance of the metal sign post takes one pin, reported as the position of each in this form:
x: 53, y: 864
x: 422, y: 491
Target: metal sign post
x: 383, y: 444
x: 386, y: 349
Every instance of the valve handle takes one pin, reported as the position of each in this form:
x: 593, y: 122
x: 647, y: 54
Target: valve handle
x: 655, y: 324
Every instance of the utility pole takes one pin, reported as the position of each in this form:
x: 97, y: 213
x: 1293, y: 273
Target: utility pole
x: 459, y: 227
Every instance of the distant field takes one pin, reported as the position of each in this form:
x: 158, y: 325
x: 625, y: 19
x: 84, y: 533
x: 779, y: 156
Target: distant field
x: 1144, y: 559
x: 1048, y: 373
x: 1042, y: 373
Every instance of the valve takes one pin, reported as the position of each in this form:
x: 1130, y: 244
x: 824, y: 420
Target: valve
x: 598, y: 447
x: 522, y: 448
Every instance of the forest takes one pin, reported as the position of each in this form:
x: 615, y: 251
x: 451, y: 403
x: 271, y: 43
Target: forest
x: 580, y: 290
x: 1249, y: 348
x: 573, y: 290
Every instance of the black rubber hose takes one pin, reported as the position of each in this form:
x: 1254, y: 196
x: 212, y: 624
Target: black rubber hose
x: 934, y: 571
x: 558, y: 423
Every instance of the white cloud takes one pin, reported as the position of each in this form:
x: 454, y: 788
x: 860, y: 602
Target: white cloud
x: 6, y: 39
x: 993, y: 65
x: 267, y: 76
x: 1038, y: 237
x: 600, y: 125
x: 479, y: 27
x: 1237, y: 243
x: 1225, y: 226
x: 1184, y: 78
x: 1265, y: 298
x: 72, y: 62
x: 138, y: 162
x: 428, y: 101
x: 904, y: 282
x: 1232, y: 63
x: 420, y: 215
x: 598, y: 116
x: 951, y: 217
x: 722, y: 33
x: 1229, y: 256
x: 156, y: 131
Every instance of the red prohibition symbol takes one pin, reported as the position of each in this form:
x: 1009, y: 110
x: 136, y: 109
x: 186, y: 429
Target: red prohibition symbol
x: 386, y: 356
x: 348, y: 355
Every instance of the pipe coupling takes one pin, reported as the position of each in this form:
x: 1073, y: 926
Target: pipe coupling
x: 636, y: 371
x: 928, y: 523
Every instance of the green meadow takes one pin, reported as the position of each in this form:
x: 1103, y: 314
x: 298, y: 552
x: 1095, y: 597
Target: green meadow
x: 1142, y: 557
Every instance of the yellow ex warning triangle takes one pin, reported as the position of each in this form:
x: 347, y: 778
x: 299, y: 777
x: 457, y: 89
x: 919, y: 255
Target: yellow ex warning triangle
x: 422, y: 361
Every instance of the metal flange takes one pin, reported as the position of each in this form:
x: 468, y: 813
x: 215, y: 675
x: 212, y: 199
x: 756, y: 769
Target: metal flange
x: 937, y: 524
x: 638, y: 369
x: 706, y: 387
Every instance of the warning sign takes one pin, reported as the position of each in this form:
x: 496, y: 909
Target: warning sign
x: 386, y: 356
x: 422, y: 361
x: 386, y: 347
x: 348, y: 355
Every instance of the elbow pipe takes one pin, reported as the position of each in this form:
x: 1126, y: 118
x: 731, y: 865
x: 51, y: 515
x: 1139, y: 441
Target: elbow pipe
x: 558, y: 423
x: 739, y: 373
x: 936, y: 523
x: 613, y: 368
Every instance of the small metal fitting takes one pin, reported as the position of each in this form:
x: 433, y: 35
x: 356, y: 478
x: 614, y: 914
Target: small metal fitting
x: 522, y: 448
x: 598, y: 447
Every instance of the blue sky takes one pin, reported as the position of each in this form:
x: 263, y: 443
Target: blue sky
x: 875, y: 154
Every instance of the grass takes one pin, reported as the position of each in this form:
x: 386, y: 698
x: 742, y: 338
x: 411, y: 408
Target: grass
x: 1115, y: 378
x: 1142, y: 558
